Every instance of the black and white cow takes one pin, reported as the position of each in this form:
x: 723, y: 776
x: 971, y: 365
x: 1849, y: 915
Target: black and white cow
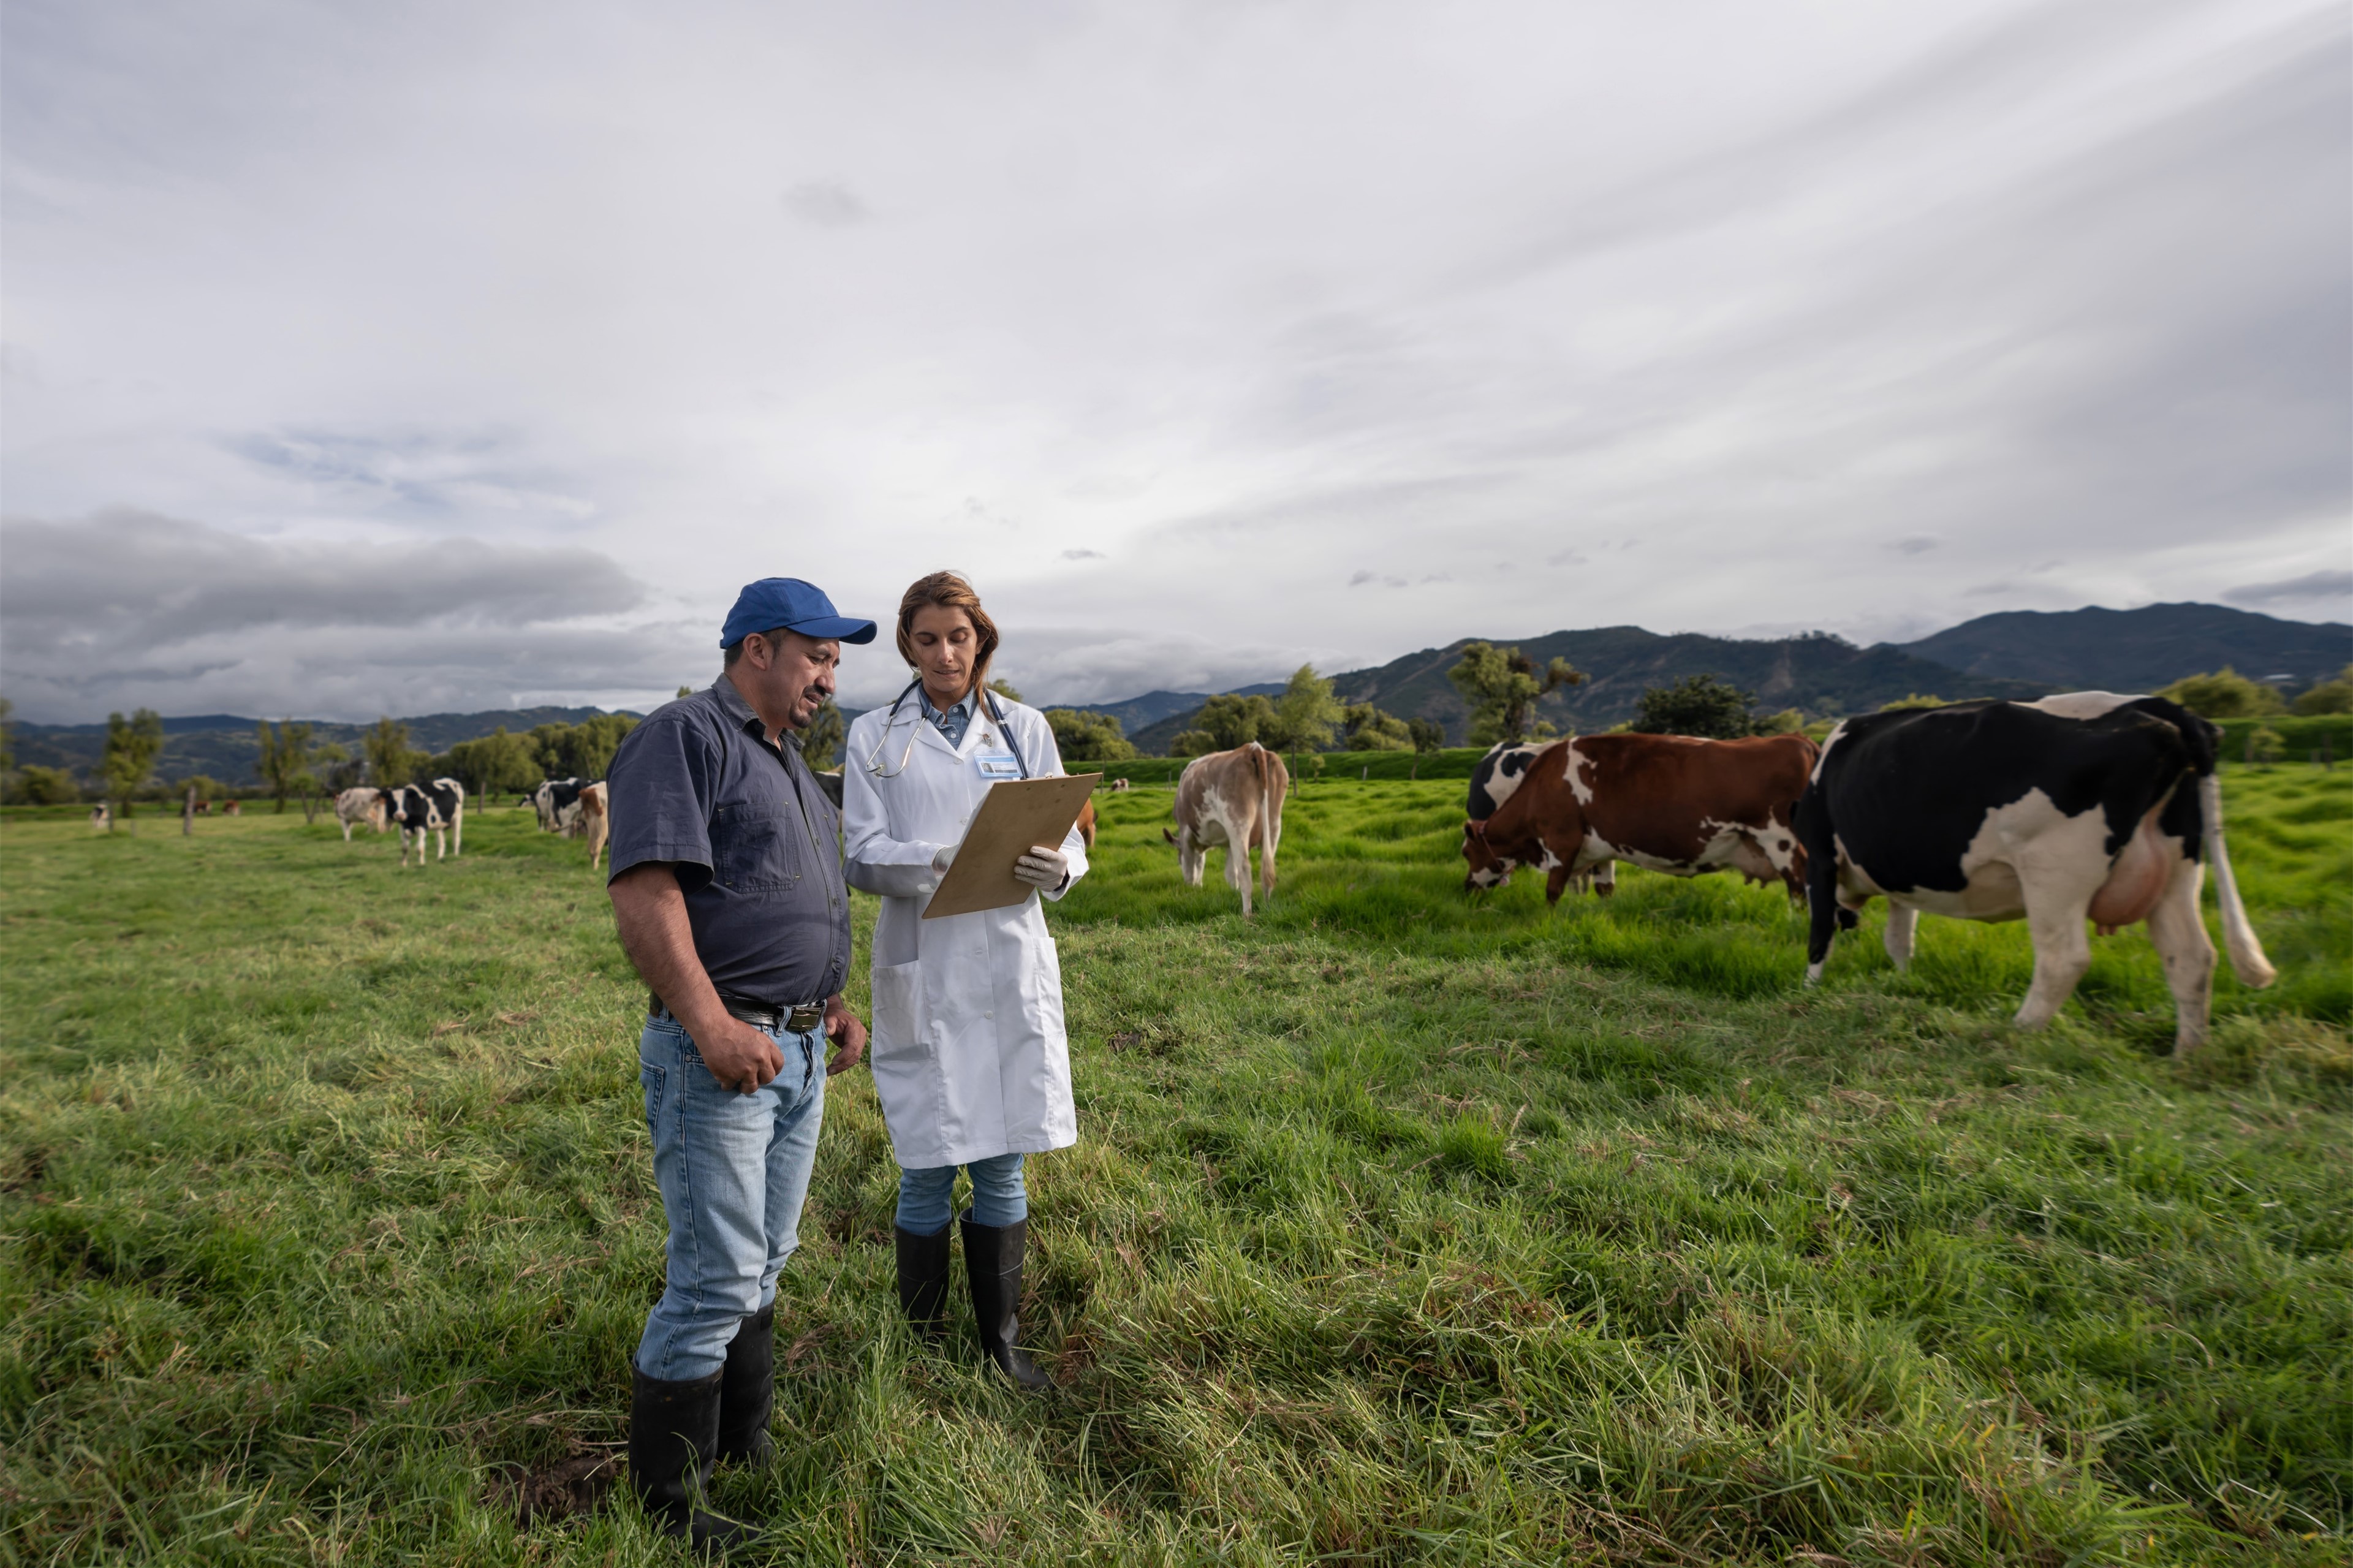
x: 1495, y: 778
x: 2083, y: 807
x: 558, y: 804
x: 437, y: 807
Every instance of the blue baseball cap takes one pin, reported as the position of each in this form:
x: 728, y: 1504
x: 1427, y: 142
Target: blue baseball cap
x: 793, y: 605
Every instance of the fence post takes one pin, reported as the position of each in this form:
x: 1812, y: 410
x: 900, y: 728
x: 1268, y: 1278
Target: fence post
x: 188, y: 814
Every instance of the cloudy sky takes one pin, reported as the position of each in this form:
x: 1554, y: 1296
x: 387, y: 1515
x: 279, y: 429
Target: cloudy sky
x: 366, y: 359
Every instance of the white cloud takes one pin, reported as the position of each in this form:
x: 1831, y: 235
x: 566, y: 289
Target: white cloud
x: 1169, y: 318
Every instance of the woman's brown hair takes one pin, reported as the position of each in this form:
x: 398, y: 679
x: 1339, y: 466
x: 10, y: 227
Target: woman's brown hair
x: 949, y: 591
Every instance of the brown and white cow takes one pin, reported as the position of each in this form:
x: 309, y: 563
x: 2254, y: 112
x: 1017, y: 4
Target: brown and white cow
x: 233, y: 808
x: 1233, y: 798
x: 1493, y: 778
x: 362, y: 805
x: 1665, y: 802
x: 595, y: 819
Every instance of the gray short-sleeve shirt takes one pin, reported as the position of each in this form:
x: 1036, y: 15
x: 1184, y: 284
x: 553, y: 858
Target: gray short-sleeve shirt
x: 754, y: 842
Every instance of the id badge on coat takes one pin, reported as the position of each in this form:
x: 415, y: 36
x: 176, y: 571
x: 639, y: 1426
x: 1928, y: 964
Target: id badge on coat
x: 994, y: 765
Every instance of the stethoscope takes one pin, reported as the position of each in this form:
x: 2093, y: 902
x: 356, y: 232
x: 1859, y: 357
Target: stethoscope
x: 873, y: 762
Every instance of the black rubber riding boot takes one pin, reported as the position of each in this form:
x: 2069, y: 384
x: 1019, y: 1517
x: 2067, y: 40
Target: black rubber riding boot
x: 673, y: 1435
x: 992, y: 1262
x: 923, y: 1280
x: 747, y: 1390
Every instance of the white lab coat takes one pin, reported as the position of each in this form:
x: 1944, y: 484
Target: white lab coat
x: 968, y: 1052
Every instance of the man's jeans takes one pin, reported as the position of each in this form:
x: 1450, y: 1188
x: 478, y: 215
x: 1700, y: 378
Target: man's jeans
x: 733, y: 1171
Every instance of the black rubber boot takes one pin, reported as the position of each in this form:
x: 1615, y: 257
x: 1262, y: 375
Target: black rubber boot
x: 673, y: 1435
x: 747, y: 1390
x: 992, y: 1262
x: 923, y: 1280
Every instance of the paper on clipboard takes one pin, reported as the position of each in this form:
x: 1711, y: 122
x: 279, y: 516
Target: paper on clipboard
x: 1013, y: 816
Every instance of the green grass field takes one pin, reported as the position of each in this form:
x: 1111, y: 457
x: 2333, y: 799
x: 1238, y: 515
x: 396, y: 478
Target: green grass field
x: 1403, y: 1227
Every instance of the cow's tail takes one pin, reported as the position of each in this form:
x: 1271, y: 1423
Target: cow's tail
x: 1270, y: 814
x: 1812, y: 820
x: 2238, y: 933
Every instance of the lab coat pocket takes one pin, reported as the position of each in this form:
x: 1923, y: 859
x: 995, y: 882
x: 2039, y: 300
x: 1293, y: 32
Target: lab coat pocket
x: 897, y: 1011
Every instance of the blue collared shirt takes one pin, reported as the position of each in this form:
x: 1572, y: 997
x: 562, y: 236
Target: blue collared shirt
x: 754, y: 842
x: 956, y: 721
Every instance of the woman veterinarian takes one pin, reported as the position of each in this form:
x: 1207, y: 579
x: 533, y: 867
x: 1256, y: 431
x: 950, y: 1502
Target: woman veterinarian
x: 968, y: 1054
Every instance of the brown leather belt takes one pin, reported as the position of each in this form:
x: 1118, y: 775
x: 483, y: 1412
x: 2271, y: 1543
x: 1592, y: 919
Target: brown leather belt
x: 799, y: 1018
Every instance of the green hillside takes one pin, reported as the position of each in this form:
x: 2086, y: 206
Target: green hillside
x: 1818, y: 672
x: 2095, y: 649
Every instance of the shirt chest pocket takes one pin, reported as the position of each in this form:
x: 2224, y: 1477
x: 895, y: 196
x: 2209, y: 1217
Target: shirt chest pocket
x: 751, y: 848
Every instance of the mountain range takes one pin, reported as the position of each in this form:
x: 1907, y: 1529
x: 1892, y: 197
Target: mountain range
x: 2017, y: 653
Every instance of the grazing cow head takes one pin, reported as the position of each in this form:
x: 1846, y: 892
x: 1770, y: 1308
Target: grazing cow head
x: 1489, y: 866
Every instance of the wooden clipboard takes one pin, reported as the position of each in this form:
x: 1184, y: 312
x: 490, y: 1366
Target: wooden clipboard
x: 1014, y: 815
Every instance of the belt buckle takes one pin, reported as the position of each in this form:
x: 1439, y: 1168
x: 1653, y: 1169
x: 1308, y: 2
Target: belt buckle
x: 802, y: 1019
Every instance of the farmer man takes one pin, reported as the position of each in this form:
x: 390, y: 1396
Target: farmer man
x: 726, y: 884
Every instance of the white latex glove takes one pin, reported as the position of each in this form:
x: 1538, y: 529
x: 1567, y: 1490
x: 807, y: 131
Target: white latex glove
x: 1042, y: 868
x: 944, y: 859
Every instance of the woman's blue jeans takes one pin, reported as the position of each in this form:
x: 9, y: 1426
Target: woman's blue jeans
x: 998, y: 1198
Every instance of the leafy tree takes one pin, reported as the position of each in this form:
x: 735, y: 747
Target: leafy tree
x: 391, y: 760
x: 1195, y: 744
x: 2226, y: 694
x: 284, y: 762
x: 1230, y: 720
x: 1501, y: 687
x: 1005, y: 688
x: 2265, y: 745
x: 1696, y: 705
x: 48, y: 787
x: 1364, y: 728
x: 1089, y: 737
x: 551, y: 744
x: 1913, y: 700
x: 206, y: 787
x: 1428, y: 734
x: 583, y: 751
x: 132, y: 745
x: 336, y: 769
x: 492, y: 764
x: 821, y: 742
x: 596, y: 740
x: 1305, y: 715
x: 2328, y: 697
x: 686, y: 691
x: 1788, y: 721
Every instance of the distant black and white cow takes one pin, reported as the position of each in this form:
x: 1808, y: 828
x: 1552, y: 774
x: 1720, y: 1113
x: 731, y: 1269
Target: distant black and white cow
x: 438, y: 808
x: 558, y: 804
x: 362, y: 805
x: 101, y: 816
x: 2083, y: 807
x: 1495, y: 778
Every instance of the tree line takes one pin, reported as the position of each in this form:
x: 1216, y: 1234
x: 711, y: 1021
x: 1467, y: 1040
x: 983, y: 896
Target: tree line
x: 1500, y: 687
